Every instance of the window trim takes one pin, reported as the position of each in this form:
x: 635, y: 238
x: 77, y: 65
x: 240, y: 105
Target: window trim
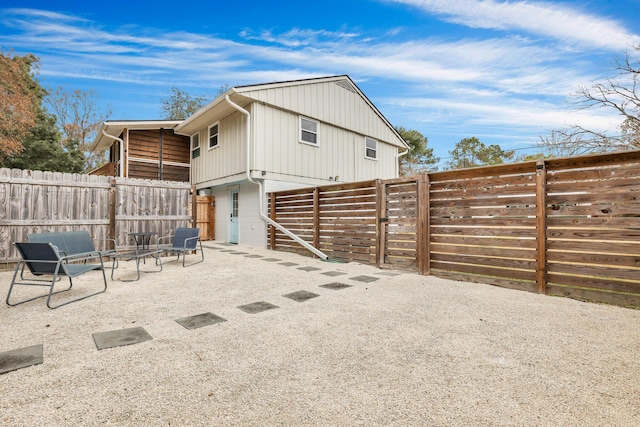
x: 366, y: 148
x: 209, y: 146
x: 316, y: 133
x: 195, y: 147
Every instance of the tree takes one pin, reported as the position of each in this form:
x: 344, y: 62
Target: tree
x: 79, y: 119
x: 43, y: 151
x: 419, y: 158
x: 559, y: 143
x: 222, y: 89
x: 29, y: 135
x: 20, y: 97
x: 179, y: 104
x: 621, y: 94
x: 471, y: 152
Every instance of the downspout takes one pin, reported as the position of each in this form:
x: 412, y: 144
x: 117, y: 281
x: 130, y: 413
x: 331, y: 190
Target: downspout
x: 264, y: 217
x: 120, y: 165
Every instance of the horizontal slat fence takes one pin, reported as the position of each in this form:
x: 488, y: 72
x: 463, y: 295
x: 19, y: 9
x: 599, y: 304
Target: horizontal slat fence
x: 566, y: 227
x: 347, y: 221
x: 107, y: 207
x: 593, y: 229
x: 344, y: 215
x: 483, y: 226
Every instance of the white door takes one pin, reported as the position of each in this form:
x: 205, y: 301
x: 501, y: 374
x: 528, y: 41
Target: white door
x: 233, y: 226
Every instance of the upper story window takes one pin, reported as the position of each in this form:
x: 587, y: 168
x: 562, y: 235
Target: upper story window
x: 308, y: 131
x: 213, y: 135
x: 195, y: 145
x: 370, y: 148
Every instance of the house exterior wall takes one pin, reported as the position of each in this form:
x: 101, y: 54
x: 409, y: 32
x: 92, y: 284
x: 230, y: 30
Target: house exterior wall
x: 225, y: 163
x: 336, y: 102
x: 339, y: 152
x: 252, y: 230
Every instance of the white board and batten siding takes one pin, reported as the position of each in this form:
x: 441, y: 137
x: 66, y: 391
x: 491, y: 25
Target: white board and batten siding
x: 228, y: 159
x: 334, y: 101
x: 339, y: 152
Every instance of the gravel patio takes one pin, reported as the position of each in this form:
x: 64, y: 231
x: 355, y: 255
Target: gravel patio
x: 388, y: 349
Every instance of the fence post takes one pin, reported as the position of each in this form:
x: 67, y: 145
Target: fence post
x: 112, y: 209
x: 272, y: 215
x: 194, y: 203
x: 380, y: 225
x: 316, y: 217
x: 541, y: 226
x: 423, y: 225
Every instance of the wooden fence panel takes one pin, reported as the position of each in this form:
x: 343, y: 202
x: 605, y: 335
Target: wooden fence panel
x: 399, y: 224
x: 36, y: 201
x: 347, y: 222
x: 150, y: 206
x: 294, y: 210
x: 561, y: 226
x: 483, y: 227
x: 593, y: 220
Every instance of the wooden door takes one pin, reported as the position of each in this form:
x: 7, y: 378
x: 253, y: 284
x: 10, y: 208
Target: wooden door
x: 206, y: 216
x: 399, y: 244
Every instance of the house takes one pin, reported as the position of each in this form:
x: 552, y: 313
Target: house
x: 257, y: 139
x: 145, y: 149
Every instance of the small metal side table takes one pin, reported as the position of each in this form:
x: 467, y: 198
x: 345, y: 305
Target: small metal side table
x: 143, y: 240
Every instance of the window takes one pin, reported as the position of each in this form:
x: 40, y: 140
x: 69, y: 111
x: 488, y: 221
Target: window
x: 213, y: 136
x: 195, y: 145
x: 308, y: 131
x: 370, y: 148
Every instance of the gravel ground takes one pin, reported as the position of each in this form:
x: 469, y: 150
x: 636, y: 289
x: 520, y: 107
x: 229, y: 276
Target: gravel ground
x: 404, y: 350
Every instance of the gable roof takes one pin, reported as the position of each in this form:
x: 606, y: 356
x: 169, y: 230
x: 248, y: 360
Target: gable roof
x: 336, y: 100
x: 114, y: 128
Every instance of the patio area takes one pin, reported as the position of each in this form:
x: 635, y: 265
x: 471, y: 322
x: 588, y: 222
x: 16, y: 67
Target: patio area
x: 257, y: 337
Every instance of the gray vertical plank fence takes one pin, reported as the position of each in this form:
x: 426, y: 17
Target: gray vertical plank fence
x: 107, y: 207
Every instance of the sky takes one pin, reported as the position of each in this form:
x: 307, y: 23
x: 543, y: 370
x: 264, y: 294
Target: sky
x: 505, y: 72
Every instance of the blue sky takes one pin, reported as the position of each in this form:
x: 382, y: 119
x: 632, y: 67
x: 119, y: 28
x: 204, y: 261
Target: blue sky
x: 500, y: 71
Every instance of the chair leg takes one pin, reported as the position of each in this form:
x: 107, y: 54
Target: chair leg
x: 184, y: 254
x: 104, y: 289
x: 20, y: 267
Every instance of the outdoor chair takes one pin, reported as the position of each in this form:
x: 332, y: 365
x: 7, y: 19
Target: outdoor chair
x: 72, y: 242
x: 184, y: 240
x: 43, y: 259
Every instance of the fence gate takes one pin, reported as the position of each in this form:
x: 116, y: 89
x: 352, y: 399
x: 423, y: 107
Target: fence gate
x: 206, y: 216
x: 399, y: 209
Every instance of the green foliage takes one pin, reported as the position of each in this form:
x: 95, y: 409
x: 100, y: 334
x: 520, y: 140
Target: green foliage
x: 43, y: 151
x: 419, y: 158
x: 471, y: 152
x: 179, y: 104
x: 39, y: 145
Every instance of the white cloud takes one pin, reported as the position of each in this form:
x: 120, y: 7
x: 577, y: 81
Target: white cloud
x: 565, y: 23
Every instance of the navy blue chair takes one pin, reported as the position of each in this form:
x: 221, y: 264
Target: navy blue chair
x: 44, y: 260
x: 184, y: 240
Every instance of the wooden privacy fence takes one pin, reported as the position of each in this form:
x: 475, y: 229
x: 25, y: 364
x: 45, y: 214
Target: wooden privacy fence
x: 107, y: 207
x: 566, y: 227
